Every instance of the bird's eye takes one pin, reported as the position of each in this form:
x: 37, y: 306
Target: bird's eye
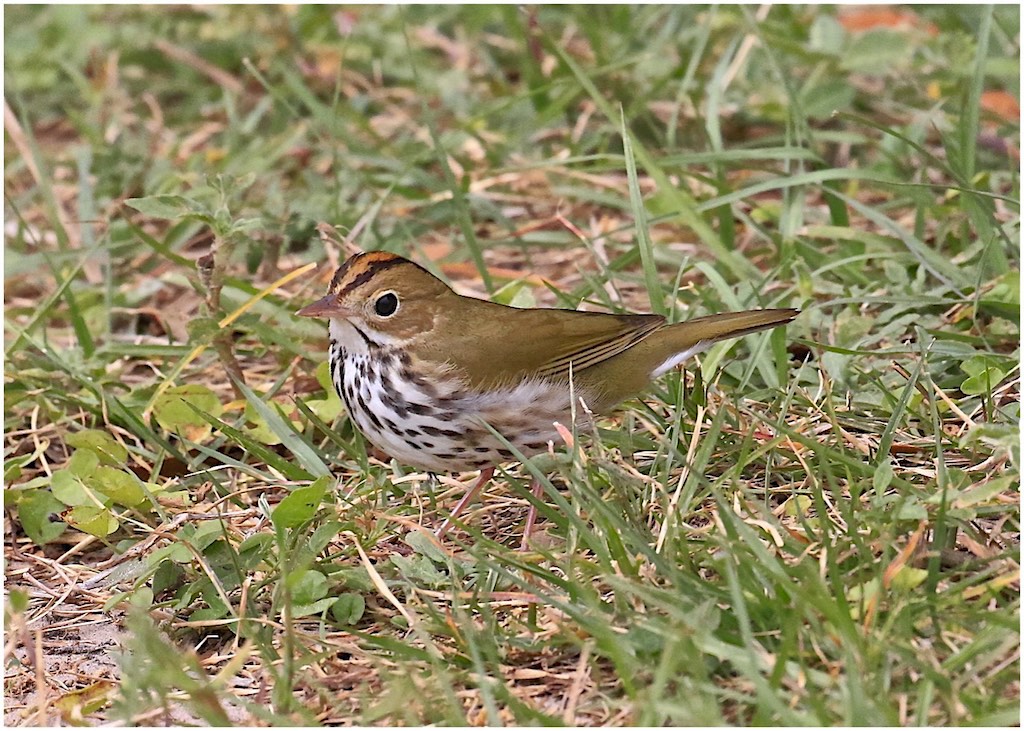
x: 386, y: 305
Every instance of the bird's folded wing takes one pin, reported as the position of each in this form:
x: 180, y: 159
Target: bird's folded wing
x: 540, y: 343
x: 608, y: 339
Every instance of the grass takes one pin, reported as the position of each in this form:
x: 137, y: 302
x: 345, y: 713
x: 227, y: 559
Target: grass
x: 816, y: 526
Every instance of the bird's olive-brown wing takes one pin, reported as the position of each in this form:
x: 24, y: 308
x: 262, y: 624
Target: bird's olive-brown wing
x: 493, y: 345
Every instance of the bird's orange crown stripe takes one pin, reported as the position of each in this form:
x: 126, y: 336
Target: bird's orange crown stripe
x: 361, y: 268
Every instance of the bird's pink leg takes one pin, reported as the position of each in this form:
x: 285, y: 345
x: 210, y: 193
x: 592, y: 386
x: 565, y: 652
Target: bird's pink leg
x: 485, y: 476
x: 531, y: 516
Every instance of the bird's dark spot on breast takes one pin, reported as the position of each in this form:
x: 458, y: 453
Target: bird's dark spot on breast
x: 438, y: 432
x: 357, y: 408
x: 413, y: 432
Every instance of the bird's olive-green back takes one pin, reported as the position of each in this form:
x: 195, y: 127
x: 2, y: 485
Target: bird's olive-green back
x: 493, y: 345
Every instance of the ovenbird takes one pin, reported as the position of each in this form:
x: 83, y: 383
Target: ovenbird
x: 422, y: 370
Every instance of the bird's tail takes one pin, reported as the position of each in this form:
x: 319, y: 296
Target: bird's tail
x: 687, y: 339
x: 734, y: 324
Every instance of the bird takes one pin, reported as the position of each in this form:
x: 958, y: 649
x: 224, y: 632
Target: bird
x: 424, y: 371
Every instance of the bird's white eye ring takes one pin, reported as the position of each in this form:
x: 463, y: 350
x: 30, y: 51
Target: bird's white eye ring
x: 386, y: 304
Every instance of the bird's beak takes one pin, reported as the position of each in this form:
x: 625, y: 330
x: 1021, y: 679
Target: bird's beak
x: 324, y: 307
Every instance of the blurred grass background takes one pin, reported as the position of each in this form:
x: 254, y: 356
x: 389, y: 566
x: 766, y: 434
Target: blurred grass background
x: 812, y: 527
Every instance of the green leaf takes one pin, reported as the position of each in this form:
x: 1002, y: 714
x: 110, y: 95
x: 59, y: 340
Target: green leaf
x: 203, y: 535
x: 177, y: 552
x: 978, y: 364
x: 317, y: 607
x: 907, y: 578
x: 170, y: 207
x: 19, y: 600
x: 83, y: 463
x: 167, y: 576
x: 69, y: 488
x: 883, y: 475
x: 254, y: 548
x: 862, y: 593
x: 12, y: 468
x: 912, y: 510
x: 323, y: 377
x: 823, y: 99
x: 330, y: 407
x: 109, y: 450
x: 515, y: 294
x: 175, y: 409
x: 93, y: 520
x: 207, y: 614
x: 261, y: 430
x: 120, y: 486
x: 327, y: 409
x: 355, y: 577
x: 826, y: 35
x: 35, y: 510
x: 322, y: 537
x: 247, y: 225
x: 308, y: 586
x: 419, y: 570
x: 424, y: 546
x: 1006, y: 289
x: 851, y: 327
x: 301, y: 505
x: 348, y: 608
x: 982, y: 383
x: 984, y: 373
x: 984, y: 493
x: 142, y: 597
